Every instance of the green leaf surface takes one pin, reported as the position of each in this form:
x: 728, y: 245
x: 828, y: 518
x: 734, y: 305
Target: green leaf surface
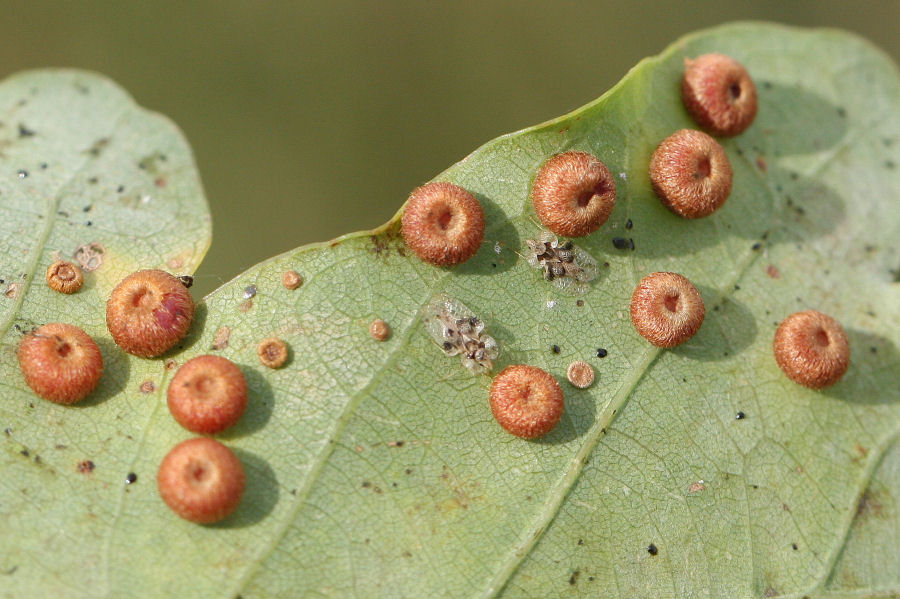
x: 376, y: 469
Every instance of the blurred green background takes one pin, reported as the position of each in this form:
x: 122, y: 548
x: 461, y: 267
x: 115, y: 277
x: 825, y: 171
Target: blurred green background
x: 314, y: 119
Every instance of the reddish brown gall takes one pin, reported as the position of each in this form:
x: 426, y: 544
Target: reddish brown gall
x: 201, y: 480
x: 812, y: 349
x: 719, y: 94
x: 60, y: 362
x: 526, y: 401
x: 666, y: 309
x: 149, y: 312
x: 443, y: 224
x: 573, y: 194
x: 691, y: 174
x: 208, y: 394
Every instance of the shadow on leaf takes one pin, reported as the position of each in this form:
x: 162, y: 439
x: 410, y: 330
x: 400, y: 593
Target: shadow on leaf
x: 260, y: 494
x: 873, y: 377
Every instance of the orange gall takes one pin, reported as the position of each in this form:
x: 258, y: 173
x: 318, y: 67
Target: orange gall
x: 573, y: 194
x: 812, y: 349
x: 526, y: 401
x: 201, y: 480
x: 691, y: 174
x: 666, y: 309
x: 148, y: 312
x: 208, y: 394
x: 443, y: 224
x: 718, y: 92
x: 60, y: 362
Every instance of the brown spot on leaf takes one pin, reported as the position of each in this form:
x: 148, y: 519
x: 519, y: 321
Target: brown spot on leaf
x: 869, y: 505
x: 220, y: 341
x: 773, y: 272
x: 85, y: 466
x: 148, y: 387
x: 697, y: 486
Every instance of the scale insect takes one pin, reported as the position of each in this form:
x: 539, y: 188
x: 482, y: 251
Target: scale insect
x: 459, y: 332
x: 567, y: 266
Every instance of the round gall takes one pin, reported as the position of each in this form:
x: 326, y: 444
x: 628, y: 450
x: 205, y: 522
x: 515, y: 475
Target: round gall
x: 208, y: 394
x: 580, y: 374
x: 64, y: 276
x: 201, y: 480
x: 443, y: 224
x: 691, y: 174
x: 526, y: 401
x: 272, y: 352
x: 812, y: 349
x: 719, y: 94
x: 291, y: 279
x: 149, y: 312
x: 666, y: 309
x: 573, y: 194
x: 60, y: 362
x: 379, y: 330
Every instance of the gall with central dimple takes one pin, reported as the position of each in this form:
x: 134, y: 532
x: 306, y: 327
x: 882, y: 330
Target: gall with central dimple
x: 149, y: 312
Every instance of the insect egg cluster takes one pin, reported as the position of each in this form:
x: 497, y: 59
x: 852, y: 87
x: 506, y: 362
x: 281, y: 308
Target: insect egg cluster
x: 459, y: 332
x: 564, y: 264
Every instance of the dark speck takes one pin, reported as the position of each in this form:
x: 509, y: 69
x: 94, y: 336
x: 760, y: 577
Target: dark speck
x: 555, y: 349
x: 25, y: 453
x: 44, y: 165
x: 120, y: 188
x: 841, y: 112
x: 581, y: 541
x: 22, y: 173
x: 629, y: 224
x: 737, y: 287
x: 574, y: 577
x: 740, y: 416
x: 25, y: 131
x: 756, y: 246
x: 889, y: 164
x: 8, y: 431
x: 249, y: 291
x: 366, y: 484
x: 89, y: 223
x: 87, y: 208
x: 652, y: 550
x: 494, y: 264
x: 131, y: 478
x: 873, y: 349
x: 620, y: 243
x: 602, y: 353
x: 579, y: 303
x: 794, y: 546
